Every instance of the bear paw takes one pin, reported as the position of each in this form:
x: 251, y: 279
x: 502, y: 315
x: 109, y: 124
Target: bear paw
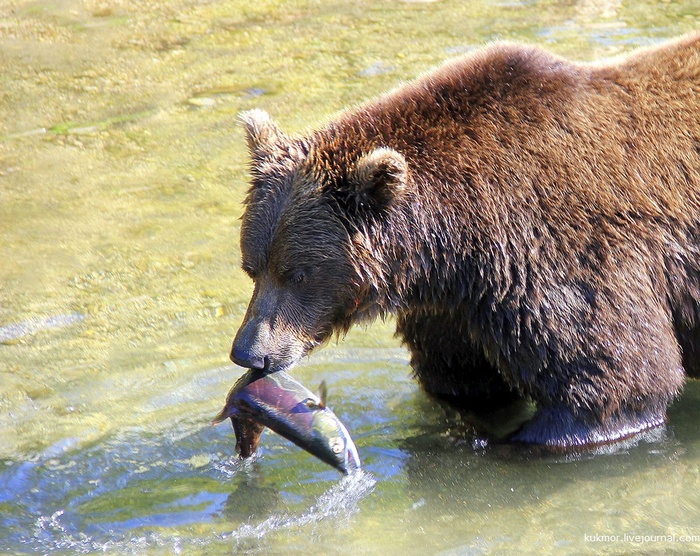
x: 561, y: 431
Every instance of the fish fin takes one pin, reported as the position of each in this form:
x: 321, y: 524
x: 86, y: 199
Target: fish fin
x: 221, y: 416
x: 323, y: 393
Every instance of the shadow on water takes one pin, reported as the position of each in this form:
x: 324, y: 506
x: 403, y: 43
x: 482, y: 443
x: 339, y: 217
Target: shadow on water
x: 445, y: 472
x: 453, y: 477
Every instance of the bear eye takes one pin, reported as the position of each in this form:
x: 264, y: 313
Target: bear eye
x: 293, y: 276
x: 297, y: 277
x: 249, y: 270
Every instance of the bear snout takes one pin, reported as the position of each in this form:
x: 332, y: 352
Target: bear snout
x: 243, y: 357
x: 248, y: 348
x: 262, y: 346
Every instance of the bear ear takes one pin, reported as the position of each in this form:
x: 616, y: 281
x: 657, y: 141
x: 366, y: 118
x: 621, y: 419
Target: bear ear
x: 262, y: 134
x: 379, y: 178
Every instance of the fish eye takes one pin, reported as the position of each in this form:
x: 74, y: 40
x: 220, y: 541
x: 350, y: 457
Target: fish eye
x: 337, y: 444
x: 311, y: 403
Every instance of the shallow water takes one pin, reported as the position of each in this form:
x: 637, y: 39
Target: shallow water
x: 122, y: 170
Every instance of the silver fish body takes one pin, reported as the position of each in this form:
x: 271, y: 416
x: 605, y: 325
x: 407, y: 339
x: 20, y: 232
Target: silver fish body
x: 277, y: 401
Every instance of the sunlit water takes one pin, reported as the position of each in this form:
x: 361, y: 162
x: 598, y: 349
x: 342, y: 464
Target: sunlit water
x: 122, y: 171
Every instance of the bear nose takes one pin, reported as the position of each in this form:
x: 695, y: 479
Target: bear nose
x: 245, y: 358
x: 252, y: 344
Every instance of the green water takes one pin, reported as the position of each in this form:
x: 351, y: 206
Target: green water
x: 122, y: 170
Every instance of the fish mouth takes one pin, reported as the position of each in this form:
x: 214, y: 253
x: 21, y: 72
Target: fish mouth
x: 277, y: 401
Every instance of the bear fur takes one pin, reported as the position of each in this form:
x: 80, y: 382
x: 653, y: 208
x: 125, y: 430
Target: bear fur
x: 532, y: 223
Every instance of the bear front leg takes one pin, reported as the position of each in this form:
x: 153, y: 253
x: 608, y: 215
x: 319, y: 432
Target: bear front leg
x: 449, y: 366
x: 611, y: 380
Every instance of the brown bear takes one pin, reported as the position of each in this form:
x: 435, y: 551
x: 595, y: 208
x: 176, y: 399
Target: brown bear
x: 532, y: 223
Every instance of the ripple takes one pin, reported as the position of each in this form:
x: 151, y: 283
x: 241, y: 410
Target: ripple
x: 15, y: 331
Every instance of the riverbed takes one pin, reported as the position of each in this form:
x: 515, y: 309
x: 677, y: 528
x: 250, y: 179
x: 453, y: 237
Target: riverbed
x: 122, y: 171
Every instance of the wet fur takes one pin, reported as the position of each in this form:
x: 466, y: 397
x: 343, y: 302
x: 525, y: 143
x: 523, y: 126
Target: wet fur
x: 533, y: 224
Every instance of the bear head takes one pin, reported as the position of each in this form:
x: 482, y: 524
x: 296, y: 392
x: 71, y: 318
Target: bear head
x: 309, y: 238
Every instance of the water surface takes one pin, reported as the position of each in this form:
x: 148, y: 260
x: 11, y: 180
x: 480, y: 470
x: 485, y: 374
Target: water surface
x: 122, y: 170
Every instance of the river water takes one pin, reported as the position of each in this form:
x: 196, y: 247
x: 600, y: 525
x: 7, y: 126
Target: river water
x: 122, y: 171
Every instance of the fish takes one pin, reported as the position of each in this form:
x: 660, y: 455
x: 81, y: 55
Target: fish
x: 277, y: 401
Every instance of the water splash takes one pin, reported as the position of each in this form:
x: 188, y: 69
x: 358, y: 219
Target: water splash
x: 339, y: 503
x: 52, y: 533
x: 230, y: 467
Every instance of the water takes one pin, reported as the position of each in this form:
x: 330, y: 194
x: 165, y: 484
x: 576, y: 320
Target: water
x: 122, y: 170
